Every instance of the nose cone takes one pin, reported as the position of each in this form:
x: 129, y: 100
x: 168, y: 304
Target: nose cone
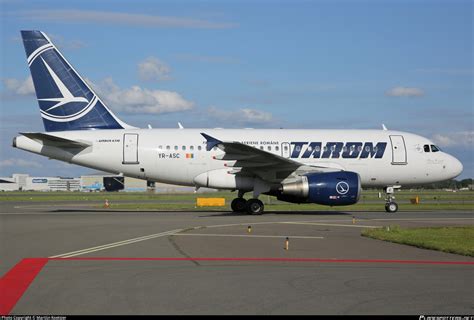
x: 455, y: 166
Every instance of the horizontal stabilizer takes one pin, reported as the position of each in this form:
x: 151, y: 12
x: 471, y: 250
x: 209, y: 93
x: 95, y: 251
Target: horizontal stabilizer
x: 50, y: 140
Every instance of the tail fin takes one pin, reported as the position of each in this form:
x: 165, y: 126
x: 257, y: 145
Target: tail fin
x: 66, y: 101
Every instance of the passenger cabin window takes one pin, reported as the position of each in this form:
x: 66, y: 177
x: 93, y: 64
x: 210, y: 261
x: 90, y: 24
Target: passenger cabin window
x: 434, y: 148
x: 269, y: 148
x: 199, y: 148
x: 176, y: 147
x: 277, y: 148
x: 167, y: 147
x: 191, y: 148
x: 184, y: 148
x: 426, y: 148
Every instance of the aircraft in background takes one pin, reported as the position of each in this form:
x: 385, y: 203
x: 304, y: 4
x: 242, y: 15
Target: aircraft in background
x: 327, y: 167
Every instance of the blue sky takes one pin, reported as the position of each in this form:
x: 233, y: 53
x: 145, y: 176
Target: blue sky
x: 291, y: 64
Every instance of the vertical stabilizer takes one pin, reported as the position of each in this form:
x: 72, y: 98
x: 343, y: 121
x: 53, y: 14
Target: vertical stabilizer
x: 66, y: 101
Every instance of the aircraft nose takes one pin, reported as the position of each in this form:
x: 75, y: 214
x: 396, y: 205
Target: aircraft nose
x: 456, y: 167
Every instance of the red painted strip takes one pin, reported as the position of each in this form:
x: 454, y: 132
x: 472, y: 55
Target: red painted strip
x: 275, y: 260
x: 15, y: 282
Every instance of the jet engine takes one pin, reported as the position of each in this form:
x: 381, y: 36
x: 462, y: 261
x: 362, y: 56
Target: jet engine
x: 328, y: 188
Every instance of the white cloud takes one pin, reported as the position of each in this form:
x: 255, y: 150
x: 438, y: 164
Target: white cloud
x: 455, y: 139
x: 405, y: 92
x: 113, y: 18
x: 241, y: 116
x: 253, y: 115
x: 16, y: 162
x: 19, y: 87
x: 139, y: 100
x: 153, y: 69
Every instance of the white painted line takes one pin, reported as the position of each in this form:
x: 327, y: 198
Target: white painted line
x: 420, y: 219
x: 115, y: 244
x: 243, y: 236
x: 332, y: 225
x: 240, y: 224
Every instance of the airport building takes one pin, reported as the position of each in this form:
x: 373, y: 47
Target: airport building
x: 23, y: 182
x: 94, y: 182
x: 111, y: 182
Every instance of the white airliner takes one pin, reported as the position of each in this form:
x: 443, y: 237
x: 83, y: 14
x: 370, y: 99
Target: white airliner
x: 326, y: 167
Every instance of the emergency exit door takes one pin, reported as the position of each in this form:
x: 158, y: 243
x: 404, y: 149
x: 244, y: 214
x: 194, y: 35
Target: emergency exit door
x: 130, y: 148
x: 399, y: 152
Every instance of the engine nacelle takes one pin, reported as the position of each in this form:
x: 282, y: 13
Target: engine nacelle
x: 328, y: 188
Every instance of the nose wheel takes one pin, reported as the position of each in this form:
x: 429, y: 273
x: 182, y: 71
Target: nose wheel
x: 390, y: 205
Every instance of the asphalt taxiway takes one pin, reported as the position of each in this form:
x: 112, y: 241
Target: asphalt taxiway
x: 106, y: 262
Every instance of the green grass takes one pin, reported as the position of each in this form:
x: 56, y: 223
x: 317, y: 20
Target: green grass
x: 459, y: 240
x: 367, y: 195
x: 185, y: 201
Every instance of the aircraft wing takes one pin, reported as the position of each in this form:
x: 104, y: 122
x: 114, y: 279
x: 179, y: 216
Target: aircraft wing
x: 54, y: 141
x: 245, y: 159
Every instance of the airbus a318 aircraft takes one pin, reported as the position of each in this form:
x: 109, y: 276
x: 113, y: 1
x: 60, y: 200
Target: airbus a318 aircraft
x: 327, y: 167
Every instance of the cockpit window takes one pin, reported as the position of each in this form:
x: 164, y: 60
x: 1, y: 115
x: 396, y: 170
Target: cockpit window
x: 426, y: 148
x: 435, y: 148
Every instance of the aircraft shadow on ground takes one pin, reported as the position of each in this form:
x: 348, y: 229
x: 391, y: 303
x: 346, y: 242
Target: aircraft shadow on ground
x: 300, y: 213
x: 209, y: 213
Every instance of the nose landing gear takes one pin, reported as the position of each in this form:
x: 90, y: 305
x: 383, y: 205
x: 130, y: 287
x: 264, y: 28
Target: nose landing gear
x: 390, y: 205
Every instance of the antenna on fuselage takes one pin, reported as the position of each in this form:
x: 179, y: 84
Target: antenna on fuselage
x: 180, y: 125
x: 384, y: 128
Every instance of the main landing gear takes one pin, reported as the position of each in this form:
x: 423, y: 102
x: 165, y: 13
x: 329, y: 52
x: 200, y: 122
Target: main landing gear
x: 251, y: 206
x: 390, y: 205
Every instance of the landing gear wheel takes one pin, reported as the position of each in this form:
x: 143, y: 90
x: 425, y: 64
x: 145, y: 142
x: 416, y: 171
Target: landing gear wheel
x: 239, y: 205
x: 255, y: 206
x: 391, y: 207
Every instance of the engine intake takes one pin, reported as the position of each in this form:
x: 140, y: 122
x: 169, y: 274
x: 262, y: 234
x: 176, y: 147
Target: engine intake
x: 328, y: 188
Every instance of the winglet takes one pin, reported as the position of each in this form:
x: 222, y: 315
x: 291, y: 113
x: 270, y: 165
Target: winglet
x: 211, y: 142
